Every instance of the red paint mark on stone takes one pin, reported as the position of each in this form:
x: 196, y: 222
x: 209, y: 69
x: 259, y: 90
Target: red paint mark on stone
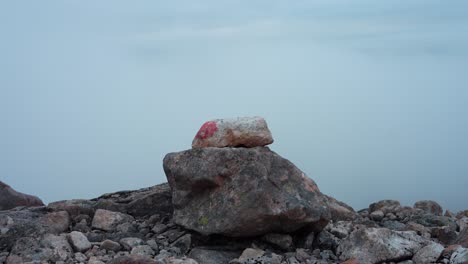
x: 207, y: 130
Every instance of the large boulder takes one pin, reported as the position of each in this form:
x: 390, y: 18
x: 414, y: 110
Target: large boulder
x: 378, y: 245
x: 429, y: 207
x: 9, y: 198
x: 235, y: 132
x: 242, y: 192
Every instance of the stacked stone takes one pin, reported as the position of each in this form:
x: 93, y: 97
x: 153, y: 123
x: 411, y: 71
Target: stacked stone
x: 229, y: 183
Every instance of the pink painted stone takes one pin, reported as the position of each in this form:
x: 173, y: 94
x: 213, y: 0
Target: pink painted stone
x: 235, y: 132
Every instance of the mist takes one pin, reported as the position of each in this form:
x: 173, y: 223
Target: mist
x: 367, y: 98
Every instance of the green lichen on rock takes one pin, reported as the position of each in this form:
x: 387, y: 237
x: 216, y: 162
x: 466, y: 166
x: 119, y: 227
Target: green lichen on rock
x: 203, y: 220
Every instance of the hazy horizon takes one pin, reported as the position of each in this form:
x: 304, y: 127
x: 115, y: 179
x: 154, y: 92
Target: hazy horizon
x: 368, y: 98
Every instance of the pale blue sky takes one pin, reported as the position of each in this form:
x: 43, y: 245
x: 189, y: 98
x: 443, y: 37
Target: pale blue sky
x: 367, y: 97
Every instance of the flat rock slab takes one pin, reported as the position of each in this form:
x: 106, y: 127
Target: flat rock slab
x: 242, y: 192
x: 235, y: 132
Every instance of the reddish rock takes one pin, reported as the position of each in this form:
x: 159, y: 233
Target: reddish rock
x: 429, y: 207
x: 236, y: 132
x: 242, y: 192
x: 133, y: 259
x: 340, y: 211
x: 108, y: 220
x: 462, y: 238
x: 351, y: 261
x: 9, y: 198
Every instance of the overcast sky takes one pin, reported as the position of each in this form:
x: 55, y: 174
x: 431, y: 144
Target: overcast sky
x: 368, y: 98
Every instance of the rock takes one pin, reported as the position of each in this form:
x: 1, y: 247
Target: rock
x: 429, y: 207
x: 445, y: 235
x: 94, y: 260
x: 73, y: 207
x: 428, y: 254
x: 183, y: 243
x: 159, y: 228
x: 142, y: 202
x: 249, y: 254
x: 9, y: 198
x: 242, y: 192
x: 80, y: 257
x: 133, y: 259
x: 283, y: 241
x: 419, y: 229
x: 184, y: 260
x: 130, y: 242
x: 325, y: 240
x: 58, y: 222
x: 110, y: 245
x: 142, y: 250
x: 340, y: 229
x: 430, y: 220
x: 462, y: 238
x: 394, y: 225
x: 212, y: 256
x: 386, y: 206
x: 376, y: 245
x: 460, y: 256
x: 462, y: 223
x: 79, y: 241
x: 108, y: 220
x: 340, y: 211
x: 377, y: 215
x: 236, y: 132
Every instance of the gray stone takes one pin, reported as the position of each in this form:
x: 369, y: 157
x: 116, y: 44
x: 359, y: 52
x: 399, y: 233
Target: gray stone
x: 80, y: 257
x: 242, y: 192
x: 142, y: 250
x: 428, y: 254
x: 460, y: 256
x: 159, y: 228
x: 377, y: 245
x: 283, y: 241
x: 133, y: 259
x: 183, y: 243
x: 130, y: 242
x: 110, y: 245
x: 462, y: 238
x: 236, y: 132
x: 108, y: 220
x: 386, y: 206
x: 212, y: 256
x: 9, y: 198
x: 73, y: 207
x: 377, y: 215
x: 79, y: 241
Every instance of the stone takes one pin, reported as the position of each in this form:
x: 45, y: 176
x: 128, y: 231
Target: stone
x: 94, y: 260
x: 108, y: 220
x: 79, y: 241
x: 110, y: 245
x: 282, y: 241
x: 212, y: 256
x: 431, y: 220
x: 130, y: 242
x: 340, y: 211
x: 242, y: 192
x: 428, y: 254
x: 142, y: 250
x: 386, y: 206
x: 9, y: 198
x: 462, y: 238
x: 183, y: 260
x: 80, y: 257
x: 183, y: 243
x: 133, y: 259
x: 325, y: 240
x: 377, y: 215
x: 236, y: 132
x: 58, y: 222
x: 462, y: 223
x: 377, y: 245
x: 159, y: 228
x: 249, y: 254
x: 73, y: 207
x: 445, y: 235
x: 429, y: 207
x: 460, y: 256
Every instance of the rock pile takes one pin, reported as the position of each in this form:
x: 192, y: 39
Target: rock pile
x: 144, y: 227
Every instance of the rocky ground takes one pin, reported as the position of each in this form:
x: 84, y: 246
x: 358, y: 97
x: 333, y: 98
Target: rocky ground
x: 110, y: 229
x: 230, y: 199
